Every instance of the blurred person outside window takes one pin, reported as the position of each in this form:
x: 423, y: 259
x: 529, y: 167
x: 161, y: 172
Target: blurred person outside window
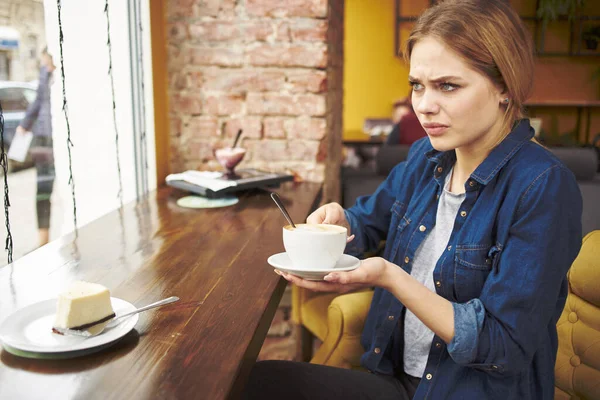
x: 38, y: 119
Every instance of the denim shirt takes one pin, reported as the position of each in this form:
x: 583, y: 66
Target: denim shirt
x: 504, y: 268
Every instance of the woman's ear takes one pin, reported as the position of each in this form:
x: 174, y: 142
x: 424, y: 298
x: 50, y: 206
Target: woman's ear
x: 503, y: 97
x: 501, y: 92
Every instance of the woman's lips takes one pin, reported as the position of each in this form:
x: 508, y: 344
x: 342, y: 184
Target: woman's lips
x: 434, y: 129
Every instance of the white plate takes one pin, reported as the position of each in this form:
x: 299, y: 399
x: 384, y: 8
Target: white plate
x: 29, y: 330
x: 282, y: 262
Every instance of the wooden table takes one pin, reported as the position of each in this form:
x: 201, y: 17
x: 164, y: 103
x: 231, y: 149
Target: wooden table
x: 201, y: 347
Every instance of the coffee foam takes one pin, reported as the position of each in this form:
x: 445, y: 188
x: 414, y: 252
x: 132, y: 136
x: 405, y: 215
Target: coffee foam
x: 321, y: 228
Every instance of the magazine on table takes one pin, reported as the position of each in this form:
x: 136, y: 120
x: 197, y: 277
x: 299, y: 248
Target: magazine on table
x: 217, y: 184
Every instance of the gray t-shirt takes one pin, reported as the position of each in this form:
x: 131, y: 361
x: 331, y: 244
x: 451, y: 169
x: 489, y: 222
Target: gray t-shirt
x: 417, y: 337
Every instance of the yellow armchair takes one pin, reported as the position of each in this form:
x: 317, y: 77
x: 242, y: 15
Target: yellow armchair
x: 338, y: 321
x: 577, y: 367
x: 309, y: 315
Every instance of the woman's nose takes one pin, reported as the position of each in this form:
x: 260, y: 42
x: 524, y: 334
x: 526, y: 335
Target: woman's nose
x: 426, y: 103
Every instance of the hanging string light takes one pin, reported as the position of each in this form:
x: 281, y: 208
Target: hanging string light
x: 65, y: 111
x: 4, y: 162
x: 114, y: 106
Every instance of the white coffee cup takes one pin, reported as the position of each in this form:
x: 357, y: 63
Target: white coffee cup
x: 314, y: 246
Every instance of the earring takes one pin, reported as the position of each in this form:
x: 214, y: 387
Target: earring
x: 506, y: 100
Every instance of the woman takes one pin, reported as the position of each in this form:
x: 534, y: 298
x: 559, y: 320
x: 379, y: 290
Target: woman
x: 38, y: 119
x: 481, y: 225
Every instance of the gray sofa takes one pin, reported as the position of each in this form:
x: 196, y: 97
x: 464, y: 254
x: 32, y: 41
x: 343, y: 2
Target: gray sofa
x: 582, y: 161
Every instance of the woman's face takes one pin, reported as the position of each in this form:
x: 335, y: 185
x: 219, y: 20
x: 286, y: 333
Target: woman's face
x: 458, y: 107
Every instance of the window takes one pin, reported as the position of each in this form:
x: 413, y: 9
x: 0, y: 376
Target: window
x: 93, y: 159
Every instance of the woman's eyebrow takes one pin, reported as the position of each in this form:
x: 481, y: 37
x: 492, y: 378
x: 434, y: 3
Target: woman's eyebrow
x: 444, y: 78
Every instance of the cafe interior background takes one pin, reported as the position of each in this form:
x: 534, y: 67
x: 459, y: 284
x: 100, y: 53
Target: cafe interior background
x: 301, y: 79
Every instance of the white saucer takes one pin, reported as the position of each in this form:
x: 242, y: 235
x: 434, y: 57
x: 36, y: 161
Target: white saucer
x: 282, y: 262
x: 28, y: 331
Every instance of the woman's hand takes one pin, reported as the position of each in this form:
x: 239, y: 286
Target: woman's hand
x: 374, y: 271
x: 20, y: 130
x: 333, y: 214
x: 433, y: 310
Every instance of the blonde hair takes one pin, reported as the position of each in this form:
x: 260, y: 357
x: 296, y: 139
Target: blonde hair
x: 491, y: 38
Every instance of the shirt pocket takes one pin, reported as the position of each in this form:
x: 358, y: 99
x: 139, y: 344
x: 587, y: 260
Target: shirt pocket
x: 398, y: 223
x: 472, y: 265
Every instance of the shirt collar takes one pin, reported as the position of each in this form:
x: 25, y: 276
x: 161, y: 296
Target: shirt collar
x: 499, y: 156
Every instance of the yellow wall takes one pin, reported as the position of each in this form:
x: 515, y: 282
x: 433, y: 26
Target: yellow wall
x: 373, y: 76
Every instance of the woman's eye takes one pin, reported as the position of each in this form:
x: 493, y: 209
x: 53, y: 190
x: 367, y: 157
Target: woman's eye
x: 416, y: 86
x: 448, y: 87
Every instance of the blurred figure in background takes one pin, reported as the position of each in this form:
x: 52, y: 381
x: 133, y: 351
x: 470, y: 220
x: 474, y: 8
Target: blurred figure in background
x: 38, y: 119
x: 407, y: 128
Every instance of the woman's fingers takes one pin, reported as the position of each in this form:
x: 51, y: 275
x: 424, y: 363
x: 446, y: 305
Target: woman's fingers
x: 317, y: 217
x: 343, y: 278
x: 331, y: 213
x: 334, y: 214
x: 316, y: 286
x: 358, y: 276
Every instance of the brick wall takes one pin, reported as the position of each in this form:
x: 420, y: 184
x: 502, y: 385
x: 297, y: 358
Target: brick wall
x: 271, y: 67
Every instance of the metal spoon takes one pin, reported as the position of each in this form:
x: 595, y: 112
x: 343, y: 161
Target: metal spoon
x: 99, y: 328
x: 159, y: 303
x: 279, y: 203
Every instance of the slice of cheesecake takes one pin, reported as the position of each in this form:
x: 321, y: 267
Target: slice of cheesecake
x: 82, y: 306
